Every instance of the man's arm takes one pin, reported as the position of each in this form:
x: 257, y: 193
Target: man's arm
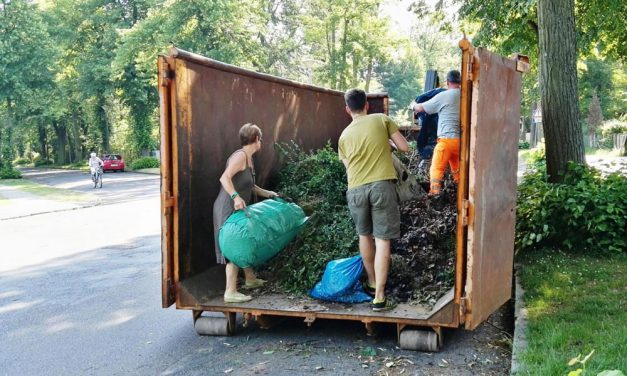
x: 418, y: 108
x: 400, y: 142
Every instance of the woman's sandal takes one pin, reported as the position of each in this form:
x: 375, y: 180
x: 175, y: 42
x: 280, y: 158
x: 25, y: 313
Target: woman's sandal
x: 237, y: 297
x: 255, y: 283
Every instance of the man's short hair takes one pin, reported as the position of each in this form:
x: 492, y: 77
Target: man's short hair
x: 454, y: 76
x: 355, y: 99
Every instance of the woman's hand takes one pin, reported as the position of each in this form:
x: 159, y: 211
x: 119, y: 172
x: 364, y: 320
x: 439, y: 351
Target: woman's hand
x: 239, y: 203
x: 272, y: 194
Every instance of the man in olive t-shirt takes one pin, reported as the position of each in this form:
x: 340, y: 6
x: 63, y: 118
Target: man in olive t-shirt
x: 364, y: 148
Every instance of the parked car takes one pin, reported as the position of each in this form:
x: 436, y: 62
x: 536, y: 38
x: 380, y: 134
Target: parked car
x: 112, y: 162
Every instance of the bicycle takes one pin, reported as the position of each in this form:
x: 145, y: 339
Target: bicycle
x: 96, y: 177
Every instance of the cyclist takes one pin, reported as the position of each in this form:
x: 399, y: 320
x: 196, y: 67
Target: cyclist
x: 95, y: 164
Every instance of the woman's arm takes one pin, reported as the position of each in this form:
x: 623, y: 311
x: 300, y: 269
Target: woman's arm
x: 264, y: 192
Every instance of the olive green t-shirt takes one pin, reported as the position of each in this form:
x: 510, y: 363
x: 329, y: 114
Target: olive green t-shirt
x: 364, y: 145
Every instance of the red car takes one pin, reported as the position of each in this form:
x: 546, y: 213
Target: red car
x: 112, y: 162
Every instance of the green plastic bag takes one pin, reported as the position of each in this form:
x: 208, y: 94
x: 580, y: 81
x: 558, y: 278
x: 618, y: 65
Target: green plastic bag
x: 253, y: 236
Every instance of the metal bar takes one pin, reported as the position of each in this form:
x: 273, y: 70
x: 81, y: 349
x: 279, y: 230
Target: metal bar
x: 462, y: 188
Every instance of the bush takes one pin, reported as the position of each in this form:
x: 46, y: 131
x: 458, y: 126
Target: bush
x: 586, y: 211
x: 20, y: 161
x: 145, y: 162
x: 10, y: 173
x: 43, y: 162
x: 523, y: 145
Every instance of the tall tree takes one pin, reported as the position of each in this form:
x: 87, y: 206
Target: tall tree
x: 348, y: 37
x: 558, y: 77
x: 224, y: 30
x: 25, y: 68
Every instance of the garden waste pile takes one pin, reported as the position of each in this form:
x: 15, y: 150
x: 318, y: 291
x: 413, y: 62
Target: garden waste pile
x: 423, y: 259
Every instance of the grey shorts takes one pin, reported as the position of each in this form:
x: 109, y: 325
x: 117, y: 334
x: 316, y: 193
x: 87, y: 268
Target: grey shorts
x: 374, y: 208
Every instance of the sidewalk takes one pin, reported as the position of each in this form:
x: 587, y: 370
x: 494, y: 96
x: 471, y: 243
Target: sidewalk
x: 15, y: 203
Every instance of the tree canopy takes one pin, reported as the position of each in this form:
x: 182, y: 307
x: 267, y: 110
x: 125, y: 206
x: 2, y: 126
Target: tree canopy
x: 80, y: 75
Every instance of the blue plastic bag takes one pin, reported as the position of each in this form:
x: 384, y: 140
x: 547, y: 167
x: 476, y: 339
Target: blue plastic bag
x: 341, y: 282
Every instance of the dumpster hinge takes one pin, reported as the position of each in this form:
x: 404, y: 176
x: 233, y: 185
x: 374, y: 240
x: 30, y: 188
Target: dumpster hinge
x: 464, y: 212
x: 469, y: 69
x: 168, y: 202
x: 463, y: 309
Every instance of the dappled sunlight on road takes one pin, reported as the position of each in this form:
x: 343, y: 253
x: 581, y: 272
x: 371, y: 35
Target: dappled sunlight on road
x: 18, y: 306
x: 118, y: 317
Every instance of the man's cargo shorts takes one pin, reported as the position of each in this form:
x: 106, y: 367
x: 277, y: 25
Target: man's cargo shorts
x: 374, y: 208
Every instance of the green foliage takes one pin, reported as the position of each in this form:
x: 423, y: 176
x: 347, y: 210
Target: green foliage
x: 21, y: 161
x: 317, y: 182
x: 43, y: 162
x: 145, y: 162
x: 523, y: 145
x: 585, y: 211
x: 10, y: 173
x: 607, y: 131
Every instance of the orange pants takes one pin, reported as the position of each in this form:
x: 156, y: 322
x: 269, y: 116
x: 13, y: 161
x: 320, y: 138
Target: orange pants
x: 446, y: 152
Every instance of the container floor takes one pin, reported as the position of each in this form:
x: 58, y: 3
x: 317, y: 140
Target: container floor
x: 205, y: 292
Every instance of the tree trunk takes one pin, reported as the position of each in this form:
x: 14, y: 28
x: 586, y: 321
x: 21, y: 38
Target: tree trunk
x: 368, y: 75
x: 61, y: 143
x: 558, y: 86
x: 75, y: 141
x: 43, y: 144
x: 101, y: 115
x: 6, y: 147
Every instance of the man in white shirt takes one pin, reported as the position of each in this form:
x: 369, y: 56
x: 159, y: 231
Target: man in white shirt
x: 446, y: 152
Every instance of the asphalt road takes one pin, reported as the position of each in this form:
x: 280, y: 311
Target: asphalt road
x: 80, y: 294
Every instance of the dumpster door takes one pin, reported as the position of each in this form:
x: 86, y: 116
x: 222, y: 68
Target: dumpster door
x: 493, y: 162
x: 168, y: 289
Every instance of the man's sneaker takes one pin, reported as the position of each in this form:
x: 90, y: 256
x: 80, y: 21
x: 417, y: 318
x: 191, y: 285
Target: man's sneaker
x: 385, y: 305
x: 368, y: 289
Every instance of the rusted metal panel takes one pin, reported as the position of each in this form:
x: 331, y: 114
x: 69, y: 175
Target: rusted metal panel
x: 492, y: 184
x: 212, y: 100
x: 167, y: 200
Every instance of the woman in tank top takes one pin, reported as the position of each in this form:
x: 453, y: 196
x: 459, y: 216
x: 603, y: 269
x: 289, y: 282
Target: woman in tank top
x: 237, y: 188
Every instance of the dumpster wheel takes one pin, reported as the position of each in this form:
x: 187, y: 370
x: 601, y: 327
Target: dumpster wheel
x: 213, y: 325
x: 419, y: 340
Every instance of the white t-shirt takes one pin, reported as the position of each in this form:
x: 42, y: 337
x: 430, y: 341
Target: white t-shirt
x: 446, y: 104
x: 95, y: 162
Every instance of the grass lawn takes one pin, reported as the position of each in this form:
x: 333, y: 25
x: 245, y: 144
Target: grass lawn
x: 576, y: 304
x: 46, y: 191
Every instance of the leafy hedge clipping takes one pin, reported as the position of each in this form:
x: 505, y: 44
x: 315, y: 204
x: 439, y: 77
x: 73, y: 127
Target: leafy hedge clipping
x: 585, y: 212
x: 317, y: 182
x: 145, y: 162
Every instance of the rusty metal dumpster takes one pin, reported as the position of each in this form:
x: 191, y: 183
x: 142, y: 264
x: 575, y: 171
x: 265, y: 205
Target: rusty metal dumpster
x: 204, y: 102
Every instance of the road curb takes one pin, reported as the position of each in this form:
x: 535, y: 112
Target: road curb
x: 519, y: 343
